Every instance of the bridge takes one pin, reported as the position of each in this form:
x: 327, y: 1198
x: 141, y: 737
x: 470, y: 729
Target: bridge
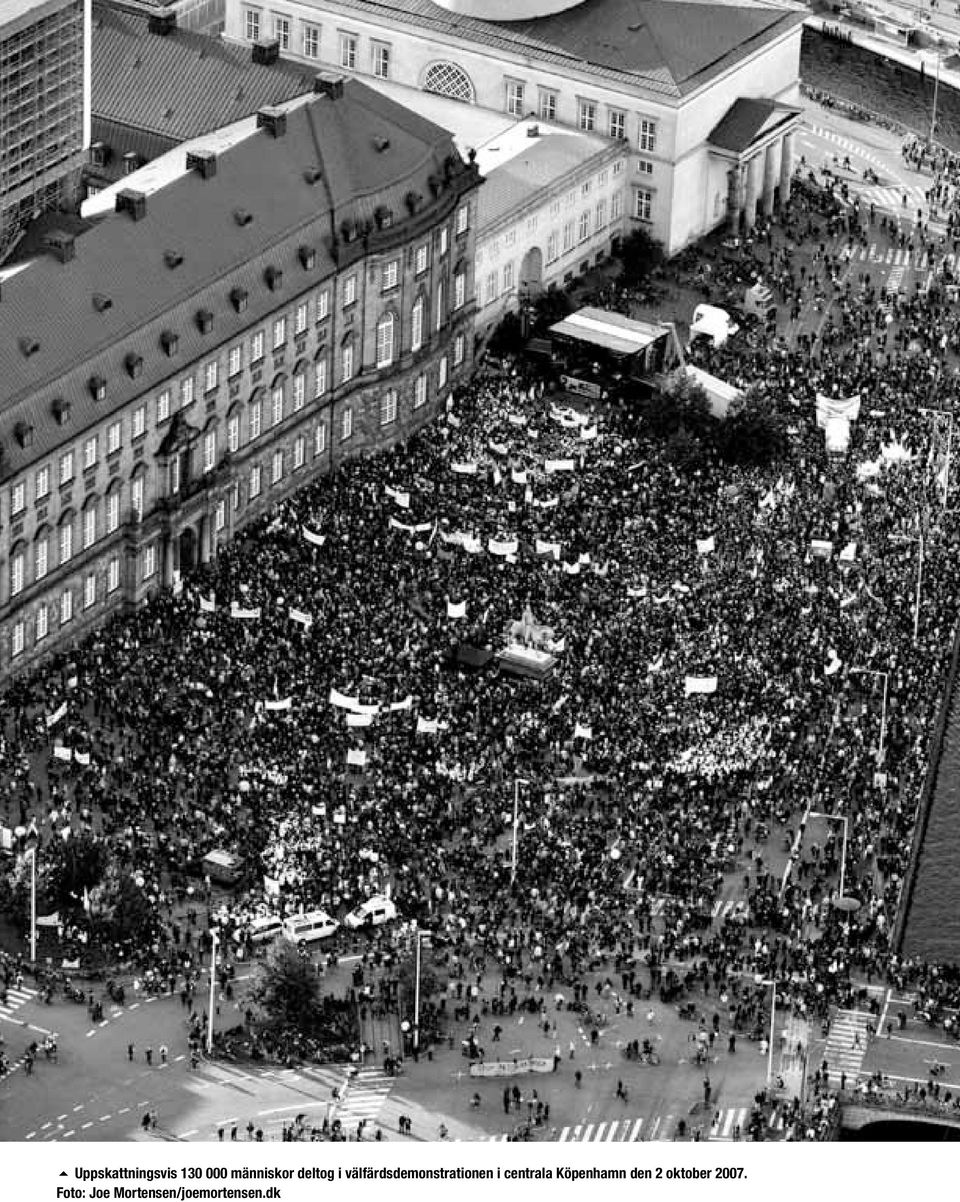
x: 859, y: 1110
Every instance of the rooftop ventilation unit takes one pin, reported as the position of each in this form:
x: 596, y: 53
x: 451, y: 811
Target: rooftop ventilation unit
x: 266, y: 53
x: 173, y: 258
x: 101, y: 302
x: 242, y: 216
x: 313, y: 175
x: 28, y: 346
x: 61, y: 245
x: 202, y: 161
x: 329, y: 85
x: 162, y: 23
x: 134, y: 203
x: 273, y: 120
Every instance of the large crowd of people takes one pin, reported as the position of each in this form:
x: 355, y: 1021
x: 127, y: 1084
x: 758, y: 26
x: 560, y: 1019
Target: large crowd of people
x: 732, y: 644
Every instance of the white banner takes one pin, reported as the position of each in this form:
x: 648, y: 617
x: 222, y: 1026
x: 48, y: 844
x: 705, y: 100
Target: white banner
x: 278, y: 706
x: 822, y: 547
x: 458, y: 610
x: 62, y: 753
x: 588, y: 432
x: 58, y: 713
x: 571, y: 569
x: 82, y: 758
x: 430, y: 726
x: 582, y: 731
x: 849, y: 553
x: 420, y: 528
x: 503, y: 546
x: 49, y: 920
x: 342, y: 700
x: 549, y: 503
x: 699, y: 684
x: 316, y: 539
x: 552, y: 549
x: 498, y: 448
x: 706, y: 545
x: 829, y: 407
x: 245, y: 614
x: 401, y: 498
x: 208, y: 604
x: 511, y: 1068
x: 396, y: 706
x: 464, y: 469
x: 558, y: 465
x: 517, y: 476
x: 357, y: 757
x: 516, y: 419
x: 298, y: 615
x: 453, y: 420
x: 359, y: 719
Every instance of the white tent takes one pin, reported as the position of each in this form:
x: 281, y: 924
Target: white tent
x: 713, y: 323
x: 720, y: 394
x: 837, y: 434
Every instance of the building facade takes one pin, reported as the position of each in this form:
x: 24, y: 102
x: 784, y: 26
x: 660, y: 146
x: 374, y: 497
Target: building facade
x: 659, y: 75
x: 44, y: 108
x: 302, y: 297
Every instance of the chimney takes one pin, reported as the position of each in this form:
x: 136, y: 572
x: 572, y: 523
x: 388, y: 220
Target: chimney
x: 329, y: 85
x: 273, y: 120
x: 61, y: 245
x: 163, y: 22
x: 134, y: 203
x: 202, y: 161
x: 265, y: 54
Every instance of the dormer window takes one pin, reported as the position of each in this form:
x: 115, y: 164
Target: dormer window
x: 134, y: 365
x: 101, y: 302
x: 273, y: 277
x: 98, y: 387
x: 23, y: 433
x: 239, y: 299
x: 204, y: 321
x: 61, y: 411
x: 169, y: 341
x: 29, y: 346
x: 308, y: 258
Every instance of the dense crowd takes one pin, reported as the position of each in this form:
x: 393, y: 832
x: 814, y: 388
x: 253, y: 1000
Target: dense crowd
x: 392, y: 769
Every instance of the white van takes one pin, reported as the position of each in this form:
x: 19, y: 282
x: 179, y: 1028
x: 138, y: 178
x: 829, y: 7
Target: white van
x: 373, y: 912
x: 309, y: 927
x: 262, y: 930
x: 713, y: 323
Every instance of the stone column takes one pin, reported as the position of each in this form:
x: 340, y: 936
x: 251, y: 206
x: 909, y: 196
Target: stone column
x: 786, y: 167
x: 167, y: 578
x: 734, y: 198
x: 769, y: 180
x: 753, y: 187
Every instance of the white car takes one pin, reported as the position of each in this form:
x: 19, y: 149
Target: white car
x: 309, y: 927
x: 373, y: 912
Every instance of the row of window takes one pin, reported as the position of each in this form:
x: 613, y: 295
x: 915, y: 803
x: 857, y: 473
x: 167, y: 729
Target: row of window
x: 279, y: 26
x: 60, y: 612
x: 614, y: 123
x: 578, y: 230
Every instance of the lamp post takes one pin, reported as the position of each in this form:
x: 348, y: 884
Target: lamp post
x: 918, y: 539
x: 213, y: 990
x: 946, y: 470
x: 936, y: 89
x: 773, y: 1019
x: 416, y: 995
x: 32, y: 853
x: 517, y: 782
x: 843, y: 853
x: 883, y: 711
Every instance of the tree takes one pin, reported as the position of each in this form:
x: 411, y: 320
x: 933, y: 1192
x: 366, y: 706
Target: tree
x: 129, y: 913
x: 69, y: 867
x: 753, y: 432
x: 507, y: 338
x: 680, y: 405
x: 550, y: 307
x: 639, y: 254
x: 287, y: 989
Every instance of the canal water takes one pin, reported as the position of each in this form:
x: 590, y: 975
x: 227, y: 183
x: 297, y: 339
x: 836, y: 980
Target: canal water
x: 889, y: 1133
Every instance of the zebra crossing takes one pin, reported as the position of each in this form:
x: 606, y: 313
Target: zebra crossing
x: 846, y: 144
x: 619, y: 1131
x: 887, y: 197
x: 15, y: 999
x: 847, y: 1045
x: 727, y: 1125
x: 364, y: 1096
x: 720, y: 909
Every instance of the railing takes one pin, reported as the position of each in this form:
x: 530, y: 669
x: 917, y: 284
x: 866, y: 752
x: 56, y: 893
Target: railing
x: 913, y: 1107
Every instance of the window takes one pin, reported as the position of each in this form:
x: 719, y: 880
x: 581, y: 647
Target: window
x: 299, y: 452
x: 235, y: 361
x: 320, y: 380
x: 514, y: 97
x: 277, y: 472
x: 256, y: 416
x: 311, y: 41
x: 113, y: 574
x: 442, y: 374
x: 175, y: 475
x: 346, y: 423
x: 416, y: 324
x: 555, y: 208
x: 66, y: 467
x: 220, y: 517
x: 600, y: 220
x: 463, y: 219
x: 256, y: 481
x: 186, y: 392
x: 347, y: 362
x: 616, y: 206
x: 569, y: 231
x: 139, y: 426
x: 389, y: 275
x: 348, y: 51
x: 385, y: 340
x: 209, y: 450
x: 320, y: 439
x: 150, y: 560
x: 552, y: 248
x: 41, y: 552
x: 459, y: 290
x: 163, y: 414
x: 388, y: 408
x: 444, y: 241
x: 507, y: 276
x: 323, y: 304
x: 421, y: 263
x: 17, y: 639
x: 547, y: 105
x: 233, y: 434
x: 17, y: 498
x: 420, y: 391
x: 66, y: 607
x: 279, y: 333
x: 447, y: 79
x: 210, y: 376
x: 90, y: 452
x: 66, y: 542
x: 349, y: 290
x: 618, y: 167
x: 256, y: 347
x: 89, y: 591
x: 300, y: 319
x: 276, y: 405
x: 89, y: 526
x: 441, y: 298
x: 43, y: 483
x: 644, y: 204
x: 644, y: 167
x: 299, y: 391
x: 618, y: 123
x: 281, y: 31
x: 113, y: 511
x: 16, y: 574
x: 136, y: 496
x: 491, y: 287
x: 113, y: 438
x: 381, y: 60
x: 43, y: 623
x: 583, y: 232
x: 648, y: 135
x: 252, y: 24
x: 587, y: 114
x: 459, y: 346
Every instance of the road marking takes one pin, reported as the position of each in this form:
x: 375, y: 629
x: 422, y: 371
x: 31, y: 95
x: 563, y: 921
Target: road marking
x: 927, y: 1043
x: 125, y: 1110
x: 45, y: 1126
x: 86, y: 1125
x: 104, y: 1023
x: 93, y: 1032
x: 105, y: 1117
x: 150, y: 999
x: 177, y: 1059
x: 67, y: 1134
x: 76, y: 1108
x: 187, y: 1134
x: 31, y: 1135
x: 61, y: 1117
x: 135, y: 1005
x: 298, y: 1107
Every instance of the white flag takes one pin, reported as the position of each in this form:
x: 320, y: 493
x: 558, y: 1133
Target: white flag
x: 356, y: 757
x: 498, y: 448
x: 285, y: 704
x: 298, y: 615
x: 706, y: 545
x: 581, y: 731
x: 588, y: 432
x: 58, y: 713
x: 571, y: 569
x: 849, y: 553
x: 359, y: 719
x: 317, y: 539
x: 458, y: 610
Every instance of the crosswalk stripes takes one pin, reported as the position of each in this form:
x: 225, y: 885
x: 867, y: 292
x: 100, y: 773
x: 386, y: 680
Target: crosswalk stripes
x: 847, y: 1045
x: 720, y: 909
x: 618, y: 1131
x: 15, y: 999
x: 729, y: 1123
x: 365, y: 1096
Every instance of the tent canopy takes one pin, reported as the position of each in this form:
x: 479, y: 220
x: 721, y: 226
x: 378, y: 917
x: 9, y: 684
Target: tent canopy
x: 720, y: 394
x: 615, y: 333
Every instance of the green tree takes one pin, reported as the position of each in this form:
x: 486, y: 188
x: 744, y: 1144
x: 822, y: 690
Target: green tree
x: 639, y: 254
x: 507, y: 338
x: 550, y: 307
x: 128, y: 912
x: 753, y: 432
x: 68, y: 867
x: 287, y: 989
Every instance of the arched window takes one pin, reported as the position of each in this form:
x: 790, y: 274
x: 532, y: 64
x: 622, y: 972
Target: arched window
x: 385, y: 328
x: 447, y: 79
x: 138, y: 491
x: 41, y: 553
x: 90, y: 521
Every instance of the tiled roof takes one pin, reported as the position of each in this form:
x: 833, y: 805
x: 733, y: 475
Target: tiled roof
x: 549, y: 158
x: 745, y: 119
x: 182, y: 84
x: 370, y: 151
x: 667, y: 47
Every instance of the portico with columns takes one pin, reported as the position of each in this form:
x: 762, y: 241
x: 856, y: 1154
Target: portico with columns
x: 754, y: 139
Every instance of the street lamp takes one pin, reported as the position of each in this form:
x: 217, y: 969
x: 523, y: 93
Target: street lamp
x: 773, y: 1018
x: 843, y: 854
x: 517, y: 782
x: 32, y: 853
x: 918, y: 539
x: 883, y: 712
x: 213, y: 989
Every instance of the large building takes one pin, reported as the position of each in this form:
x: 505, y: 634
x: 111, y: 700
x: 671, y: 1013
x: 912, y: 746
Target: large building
x: 304, y: 295
x: 703, y: 94
x: 44, y: 107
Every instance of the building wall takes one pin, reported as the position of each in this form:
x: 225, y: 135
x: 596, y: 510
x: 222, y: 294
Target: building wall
x: 198, y: 494
x: 44, y: 72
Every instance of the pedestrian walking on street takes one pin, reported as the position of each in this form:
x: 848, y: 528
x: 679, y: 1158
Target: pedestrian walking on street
x: 149, y: 1055
x: 130, y: 1048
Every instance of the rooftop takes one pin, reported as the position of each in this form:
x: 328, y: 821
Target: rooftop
x: 748, y: 119
x: 12, y: 10
x: 665, y: 46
